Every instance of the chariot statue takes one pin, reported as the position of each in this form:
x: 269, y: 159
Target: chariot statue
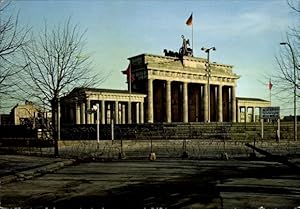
x: 185, y: 50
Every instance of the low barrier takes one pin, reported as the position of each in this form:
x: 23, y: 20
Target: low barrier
x: 196, y: 149
x: 214, y: 130
x: 198, y: 140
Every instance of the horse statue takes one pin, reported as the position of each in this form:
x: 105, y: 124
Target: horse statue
x: 185, y: 50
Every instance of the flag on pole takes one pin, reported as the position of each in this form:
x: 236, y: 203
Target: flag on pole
x: 270, y: 85
x: 128, y: 73
x: 189, y: 21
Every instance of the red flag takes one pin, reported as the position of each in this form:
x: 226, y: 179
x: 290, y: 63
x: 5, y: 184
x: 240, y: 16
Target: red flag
x: 128, y: 73
x: 270, y: 85
x: 190, y: 20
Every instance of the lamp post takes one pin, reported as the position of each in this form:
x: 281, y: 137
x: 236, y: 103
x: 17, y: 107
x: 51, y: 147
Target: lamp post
x: 208, y: 71
x: 295, y: 86
x: 96, y: 109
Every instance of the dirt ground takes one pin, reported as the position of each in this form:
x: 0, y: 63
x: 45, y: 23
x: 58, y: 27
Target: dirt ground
x: 159, y: 184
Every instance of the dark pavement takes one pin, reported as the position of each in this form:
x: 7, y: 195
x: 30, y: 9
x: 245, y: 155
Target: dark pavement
x: 20, y: 167
x: 159, y: 184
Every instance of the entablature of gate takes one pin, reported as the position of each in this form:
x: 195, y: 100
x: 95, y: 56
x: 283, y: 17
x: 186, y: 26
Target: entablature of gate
x: 105, y: 96
x: 83, y: 94
x: 189, y: 69
x: 157, y: 74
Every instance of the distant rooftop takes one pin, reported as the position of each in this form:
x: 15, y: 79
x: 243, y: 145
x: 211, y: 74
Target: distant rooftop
x: 117, y: 91
x: 251, y: 99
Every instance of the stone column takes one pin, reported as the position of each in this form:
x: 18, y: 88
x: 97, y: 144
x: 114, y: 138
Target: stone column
x: 197, y: 108
x: 168, y: 101
x: 103, y: 112
x: 77, y: 113
x: 246, y: 114
x: 88, y: 107
x: 239, y: 114
x: 233, y: 98
x: 253, y: 113
x: 129, y: 112
x: 92, y: 117
x: 123, y: 114
x: 259, y: 109
x: 220, y: 104
x: 116, y: 112
x: 205, y: 96
x: 83, y: 113
x: 150, y: 101
x: 137, y: 112
x: 185, y: 103
x: 142, y: 112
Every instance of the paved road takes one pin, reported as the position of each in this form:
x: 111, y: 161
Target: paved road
x: 159, y: 184
x: 11, y: 164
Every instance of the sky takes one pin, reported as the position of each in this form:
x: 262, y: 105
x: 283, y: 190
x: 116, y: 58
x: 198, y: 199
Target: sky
x: 246, y: 33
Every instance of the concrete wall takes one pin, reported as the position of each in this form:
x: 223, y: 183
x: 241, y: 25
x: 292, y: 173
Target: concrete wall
x: 228, y: 131
x: 196, y: 149
x: 199, y: 140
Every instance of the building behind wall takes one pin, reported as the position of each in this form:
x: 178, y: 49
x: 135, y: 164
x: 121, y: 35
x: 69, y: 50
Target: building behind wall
x: 77, y: 107
x: 165, y: 89
x: 176, y: 89
x: 249, y: 109
x: 25, y: 114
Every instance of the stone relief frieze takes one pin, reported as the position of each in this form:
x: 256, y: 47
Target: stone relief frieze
x: 189, y: 77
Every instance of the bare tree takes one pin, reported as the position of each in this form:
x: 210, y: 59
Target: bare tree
x: 293, y: 4
x: 287, y: 76
x: 56, y: 63
x: 12, y: 39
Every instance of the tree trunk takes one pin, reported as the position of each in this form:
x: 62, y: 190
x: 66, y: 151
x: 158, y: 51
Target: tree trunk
x: 54, y: 110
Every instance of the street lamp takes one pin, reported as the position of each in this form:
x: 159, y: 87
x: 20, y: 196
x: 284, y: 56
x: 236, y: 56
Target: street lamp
x: 208, y: 73
x: 295, y: 85
x: 96, y: 109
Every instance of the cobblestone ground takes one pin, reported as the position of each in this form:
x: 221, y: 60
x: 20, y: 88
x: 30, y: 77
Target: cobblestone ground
x: 159, y: 184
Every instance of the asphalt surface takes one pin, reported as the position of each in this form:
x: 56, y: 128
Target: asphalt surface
x: 158, y: 184
x: 11, y: 164
x: 19, y: 167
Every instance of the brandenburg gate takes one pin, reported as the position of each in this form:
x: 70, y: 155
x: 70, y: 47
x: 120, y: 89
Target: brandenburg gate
x: 177, y: 88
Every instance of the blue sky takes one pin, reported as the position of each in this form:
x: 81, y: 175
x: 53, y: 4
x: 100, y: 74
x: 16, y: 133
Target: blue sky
x: 246, y: 33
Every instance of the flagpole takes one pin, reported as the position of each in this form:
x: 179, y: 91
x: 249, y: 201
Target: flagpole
x: 192, y: 37
x: 270, y: 97
x: 189, y: 22
x: 270, y: 88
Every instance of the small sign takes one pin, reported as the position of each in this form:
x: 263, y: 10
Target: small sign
x: 270, y: 113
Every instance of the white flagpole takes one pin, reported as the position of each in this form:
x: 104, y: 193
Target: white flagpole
x: 192, y: 35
